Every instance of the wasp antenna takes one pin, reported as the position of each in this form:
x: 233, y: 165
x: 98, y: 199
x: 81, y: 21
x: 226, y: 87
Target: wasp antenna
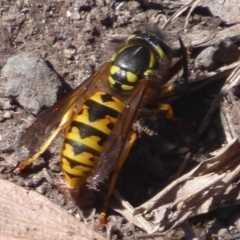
x: 185, y: 60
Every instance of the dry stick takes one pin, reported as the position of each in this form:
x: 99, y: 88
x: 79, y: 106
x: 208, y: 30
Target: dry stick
x: 233, y: 237
x: 148, y: 236
x: 232, y: 80
x: 180, y: 11
x: 188, y: 231
x: 195, y: 3
x: 233, y: 101
x: 226, y: 122
x: 198, y: 83
x: 181, y: 168
x: 109, y: 231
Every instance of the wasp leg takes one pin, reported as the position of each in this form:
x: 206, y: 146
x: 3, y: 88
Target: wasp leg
x: 29, y: 161
x: 168, y: 111
x: 167, y: 92
x: 64, y: 123
x: 117, y: 168
x: 164, y: 108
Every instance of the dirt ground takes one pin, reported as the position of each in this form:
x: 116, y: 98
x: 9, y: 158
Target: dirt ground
x: 58, y: 44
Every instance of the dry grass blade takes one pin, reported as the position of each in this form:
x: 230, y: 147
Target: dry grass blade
x: 191, y: 4
x: 197, y: 83
x: 232, y: 81
x: 126, y: 210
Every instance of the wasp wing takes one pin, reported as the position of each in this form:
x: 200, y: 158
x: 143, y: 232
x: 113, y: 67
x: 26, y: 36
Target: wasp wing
x: 118, y: 139
x: 42, y: 128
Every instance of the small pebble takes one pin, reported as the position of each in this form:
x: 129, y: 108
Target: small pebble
x: 5, y: 103
x: 68, y: 13
x: 205, y: 58
x: 68, y: 52
x: 183, y: 150
x: 42, y: 188
x: 75, y: 15
x: 223, y: 232
x: 7, y: 115
x: 51, y: 39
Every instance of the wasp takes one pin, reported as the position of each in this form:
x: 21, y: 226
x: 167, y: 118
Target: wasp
x: 97, y: 116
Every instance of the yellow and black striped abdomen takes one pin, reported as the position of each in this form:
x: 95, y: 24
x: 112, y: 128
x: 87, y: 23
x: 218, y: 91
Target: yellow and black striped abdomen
x: 86, y: 136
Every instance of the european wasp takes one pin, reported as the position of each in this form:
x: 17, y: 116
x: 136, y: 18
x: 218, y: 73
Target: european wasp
x: 97, y: 116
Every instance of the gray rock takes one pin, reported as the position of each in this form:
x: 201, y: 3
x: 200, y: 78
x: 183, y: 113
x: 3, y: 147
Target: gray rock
x: 205, y: 58
x: 5, y: 104
x: 7, y: 115
x: 29, y: 80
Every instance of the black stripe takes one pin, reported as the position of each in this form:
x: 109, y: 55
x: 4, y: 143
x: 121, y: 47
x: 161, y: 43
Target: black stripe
x: 118, y: 86
x: 74, y: 176
x: 88, y: 131
x: 110, y: 125
x: 73, y: 163
x: 98, y: 111
x: 106, y: 97
x: 80, y: 148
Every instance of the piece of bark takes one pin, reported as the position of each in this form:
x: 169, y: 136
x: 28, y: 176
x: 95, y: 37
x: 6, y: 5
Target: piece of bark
x: 29, y: 215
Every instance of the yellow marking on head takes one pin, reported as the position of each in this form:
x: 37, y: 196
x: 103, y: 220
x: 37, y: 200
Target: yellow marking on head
x: 131, y: 77
x: 152, y: 60
x: 161, y: 53
x: 126, y: 87
x: 113, y: 58
x: 111, y: 81
x: 114, y: 69
x: 131, y: 36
